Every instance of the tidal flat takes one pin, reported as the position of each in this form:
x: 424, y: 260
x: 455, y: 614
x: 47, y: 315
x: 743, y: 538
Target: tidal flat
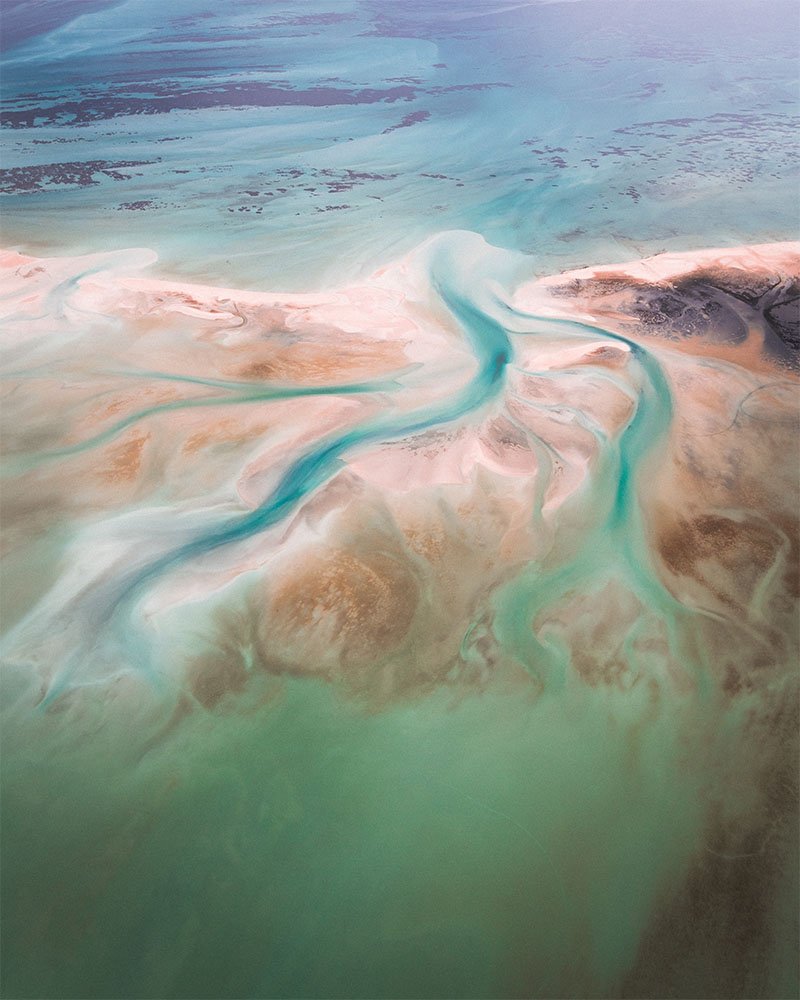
x: 399, y: 500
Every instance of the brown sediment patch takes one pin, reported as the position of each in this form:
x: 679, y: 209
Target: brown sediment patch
x: 387, y: 610
x: 217, y: 674
x: 742, y: 659
x: 318, y: 364
x: 727, y: 557
x: 361, y: 605
x: 125, y: 460
x: 226, y: 431
x: 724, y: 927
x: 709, y: 535
x: 427, y: 539
x: 261, y: 370
x: 721, y: 521
x: 738, y: 468
x: 123, y: 403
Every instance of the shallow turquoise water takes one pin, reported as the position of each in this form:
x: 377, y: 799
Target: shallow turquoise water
x: 266, y: 151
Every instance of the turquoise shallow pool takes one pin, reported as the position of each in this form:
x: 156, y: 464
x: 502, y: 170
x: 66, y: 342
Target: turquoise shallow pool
x: 419, y: 629
x: 288, y: 146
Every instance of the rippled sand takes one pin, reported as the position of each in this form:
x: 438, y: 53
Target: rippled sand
x: 504, y: 568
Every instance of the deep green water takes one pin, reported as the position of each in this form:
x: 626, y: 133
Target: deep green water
x: 479, y: 848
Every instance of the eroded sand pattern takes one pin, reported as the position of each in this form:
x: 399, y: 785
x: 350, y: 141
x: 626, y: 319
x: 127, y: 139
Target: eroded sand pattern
x: 431, y: 636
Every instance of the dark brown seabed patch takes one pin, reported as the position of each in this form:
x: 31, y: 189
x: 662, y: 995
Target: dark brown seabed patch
x: 713, y: 305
